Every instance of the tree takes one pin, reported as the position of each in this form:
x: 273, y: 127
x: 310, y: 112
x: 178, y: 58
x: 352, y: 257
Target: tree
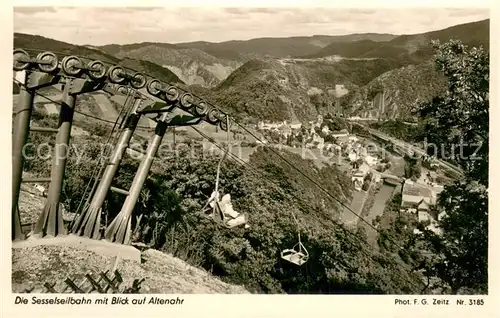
x: 460, y: 117
x: 462, y: 249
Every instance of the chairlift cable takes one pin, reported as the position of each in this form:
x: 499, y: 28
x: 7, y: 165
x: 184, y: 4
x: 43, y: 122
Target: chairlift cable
x: 120, y: 129
x: 244, y: 128
x: 260, y: 174
x: 97, y: 172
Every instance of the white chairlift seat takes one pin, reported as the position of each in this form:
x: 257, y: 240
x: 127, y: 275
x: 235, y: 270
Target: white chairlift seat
x: 296, y: 256
x: 224, y: 213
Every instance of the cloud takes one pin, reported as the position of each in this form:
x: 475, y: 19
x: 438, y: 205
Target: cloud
x: 106, y: 25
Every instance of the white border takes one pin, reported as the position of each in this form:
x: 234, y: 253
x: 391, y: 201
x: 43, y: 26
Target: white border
x: 253, y: 305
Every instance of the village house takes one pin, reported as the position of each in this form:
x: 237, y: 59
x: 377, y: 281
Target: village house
x: 295, y: 125
x: 414, y: 196
x: 353, y: 156
x: 285, y: 131
x: 359, y: 176
x: 371, y: 160
x: 341, y: 133
x: 270, y: 126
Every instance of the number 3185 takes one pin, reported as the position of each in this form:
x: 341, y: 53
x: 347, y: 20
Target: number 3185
x: 476, y: 302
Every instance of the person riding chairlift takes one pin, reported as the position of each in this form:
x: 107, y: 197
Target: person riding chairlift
x: 223, y: 211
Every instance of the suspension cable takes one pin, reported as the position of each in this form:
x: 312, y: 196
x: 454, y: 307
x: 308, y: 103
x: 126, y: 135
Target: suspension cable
x: 263, y: 176
x: 102, y: 163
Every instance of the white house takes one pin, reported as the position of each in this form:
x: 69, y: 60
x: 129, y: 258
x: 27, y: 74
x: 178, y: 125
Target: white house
x: 295, y: 125
x: 359, y: 176
x: 371, y: 160
x: 342, y: 133
x: 320, y: 141
x: 353, y: 156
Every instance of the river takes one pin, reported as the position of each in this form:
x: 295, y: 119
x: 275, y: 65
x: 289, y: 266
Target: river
x: 383, y: 195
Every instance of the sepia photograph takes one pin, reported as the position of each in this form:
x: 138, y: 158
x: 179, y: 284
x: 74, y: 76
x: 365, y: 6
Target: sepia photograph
x: 245, y: 150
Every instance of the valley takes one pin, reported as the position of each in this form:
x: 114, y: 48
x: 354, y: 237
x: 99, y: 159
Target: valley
x: 325, y: 148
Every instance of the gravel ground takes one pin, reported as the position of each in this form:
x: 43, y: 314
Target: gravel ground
x: 164, y: 274
x: 32, y: 266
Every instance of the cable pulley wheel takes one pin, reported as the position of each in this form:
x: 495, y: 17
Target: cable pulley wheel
x: 213, y: 116
x: 138, y: 81
x: 115, y: 74
x: 96, y: 70
x: 20, y: 55
x: 122, y: 89
x: 186, y: 100
x: 47, y: 57
x: 153, y: 87
x: 172, y: 94
x: 201, y: 108
x: 223, y: 123
x: 71, y: 65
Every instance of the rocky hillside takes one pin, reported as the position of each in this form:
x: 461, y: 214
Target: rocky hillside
x: 280, y: 89
x: 192, y: 66
x: 395, y: 93
x: 384, y: 79
x: 207, y: 64
x: 163, y: 273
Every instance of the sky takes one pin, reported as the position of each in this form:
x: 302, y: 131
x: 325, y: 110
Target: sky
x: 124, y: 25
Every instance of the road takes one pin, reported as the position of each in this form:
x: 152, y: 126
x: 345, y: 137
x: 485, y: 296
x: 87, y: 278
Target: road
x: 408, y: 146
x: 383, y: 195
x: 357, y: 204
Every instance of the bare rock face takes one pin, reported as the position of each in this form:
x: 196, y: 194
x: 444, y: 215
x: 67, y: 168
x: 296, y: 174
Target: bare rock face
x: 192, y: 66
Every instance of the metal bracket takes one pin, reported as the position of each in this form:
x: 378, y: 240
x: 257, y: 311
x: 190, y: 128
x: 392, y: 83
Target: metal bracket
x: 79, y: 86
x: 183, y: 120
x: 21, y: 77
x: 115, y: 89
x: 151, y: 107
x: 36, y: 80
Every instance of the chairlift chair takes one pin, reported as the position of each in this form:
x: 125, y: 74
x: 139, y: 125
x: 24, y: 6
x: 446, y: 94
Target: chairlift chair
x: 222, y: 209
x: 297, y: 255
x: 223, y: 212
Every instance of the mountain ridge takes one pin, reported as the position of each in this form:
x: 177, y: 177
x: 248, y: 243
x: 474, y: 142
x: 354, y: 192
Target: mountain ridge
x: 208, y: 63
x: 255, y: 84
